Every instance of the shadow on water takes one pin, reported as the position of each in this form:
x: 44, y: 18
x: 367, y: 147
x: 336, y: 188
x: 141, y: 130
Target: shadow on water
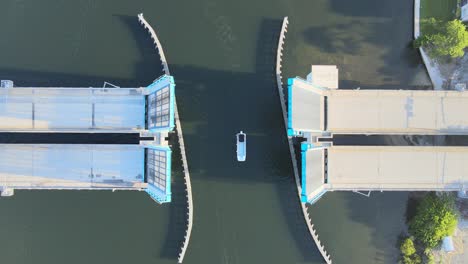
x: 411, y: 207
x: 384, y: 23
x: 148, y: 69
x: 211, y: 116
x: 382, y: 214
x: 214, y: 105
x: 145, y: 71
x: 150, y: 65
x: 286, y: 186
x: 341, y: 37
x: 178, y: 206
x: 69, y: 138
x: 365, y: 8
x: 228, y: 102
x: 401, y: 140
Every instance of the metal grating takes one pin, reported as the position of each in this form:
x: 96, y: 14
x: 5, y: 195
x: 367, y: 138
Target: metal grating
x: 159, y: 108
x: 156, y: 168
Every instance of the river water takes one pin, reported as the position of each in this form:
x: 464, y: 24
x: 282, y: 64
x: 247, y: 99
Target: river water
x: 222, y: 54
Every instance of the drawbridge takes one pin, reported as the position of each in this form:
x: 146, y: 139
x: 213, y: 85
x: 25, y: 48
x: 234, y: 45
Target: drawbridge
x: 318, y: 110
x: 148, y: 111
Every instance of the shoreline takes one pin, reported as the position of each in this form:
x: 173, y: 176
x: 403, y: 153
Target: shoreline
x: 432, y: 67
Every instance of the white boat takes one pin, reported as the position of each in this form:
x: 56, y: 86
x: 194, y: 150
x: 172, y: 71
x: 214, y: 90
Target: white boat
x: 241, y: 146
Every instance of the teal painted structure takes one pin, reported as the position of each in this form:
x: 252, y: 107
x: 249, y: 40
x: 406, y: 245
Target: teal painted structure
x: 305, y: 147
x: 146, y: 110
x: 163, y: 82
x: 160, y: 119
x: 161, y: 195
x: 291, y: 131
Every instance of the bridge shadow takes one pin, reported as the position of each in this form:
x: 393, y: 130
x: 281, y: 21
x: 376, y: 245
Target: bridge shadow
x: 381, y: 35
x: 214, y: 105
x: 178, y: 207
x: 376, y: 222
x: 401, y: 140
x: 68, y: 138
x: 382, y: 216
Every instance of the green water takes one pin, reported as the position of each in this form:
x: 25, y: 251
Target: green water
x: 222, y: 54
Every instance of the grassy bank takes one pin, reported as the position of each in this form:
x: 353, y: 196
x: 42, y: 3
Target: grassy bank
x: 444, y: 10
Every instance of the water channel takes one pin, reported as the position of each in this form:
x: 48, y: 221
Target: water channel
x: 222, y: 54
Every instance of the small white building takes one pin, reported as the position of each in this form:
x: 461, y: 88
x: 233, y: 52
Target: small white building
x: 447, y: 244
x: 464, y: 10
x: 325, y: 76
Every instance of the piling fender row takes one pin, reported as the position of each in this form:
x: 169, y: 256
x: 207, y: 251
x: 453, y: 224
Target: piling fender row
x: 188, y: 184
x: 153, y: 35
x: 310, y: 226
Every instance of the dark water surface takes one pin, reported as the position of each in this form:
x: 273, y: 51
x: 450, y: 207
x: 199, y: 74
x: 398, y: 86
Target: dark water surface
x: 222, y: 54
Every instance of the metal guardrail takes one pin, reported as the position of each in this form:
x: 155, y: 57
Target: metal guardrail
x: 181, y: 142
x: 310, y: 226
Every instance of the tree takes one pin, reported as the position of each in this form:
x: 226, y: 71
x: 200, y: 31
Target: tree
x: 407, y: 247
x: 435, y: 218
x: 414, y: 259
x: 443, y: 39
x: 409, y: 252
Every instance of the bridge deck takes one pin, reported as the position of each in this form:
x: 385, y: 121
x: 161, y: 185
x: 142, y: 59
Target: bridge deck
x: 382, y: 168
x: 71, y: 166
x: 71, y: 109
x: 397, y: 168
x: 314, y: 109
x: 402, y: 111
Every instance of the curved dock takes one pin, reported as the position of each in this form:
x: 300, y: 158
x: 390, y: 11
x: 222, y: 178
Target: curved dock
x: 310, y: 226
x: 181, y: 142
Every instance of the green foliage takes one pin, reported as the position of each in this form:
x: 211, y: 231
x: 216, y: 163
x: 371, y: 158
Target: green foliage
x: 443, y: 38
x: 408, y: 252
x: 439, y: 9
x: 435, y: 218
x: 430, y: 258
x: 458, y: 11
x: 414, y: 259
x: 407, y: 247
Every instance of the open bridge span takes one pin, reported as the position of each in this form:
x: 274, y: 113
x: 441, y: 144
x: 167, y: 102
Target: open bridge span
x: 339, y: 111
x: 317, y: 110
x: 148, y: 111
x: 382, y: 168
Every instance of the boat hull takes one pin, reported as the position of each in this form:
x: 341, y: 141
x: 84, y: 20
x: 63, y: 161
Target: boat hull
x: 241, y: 146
